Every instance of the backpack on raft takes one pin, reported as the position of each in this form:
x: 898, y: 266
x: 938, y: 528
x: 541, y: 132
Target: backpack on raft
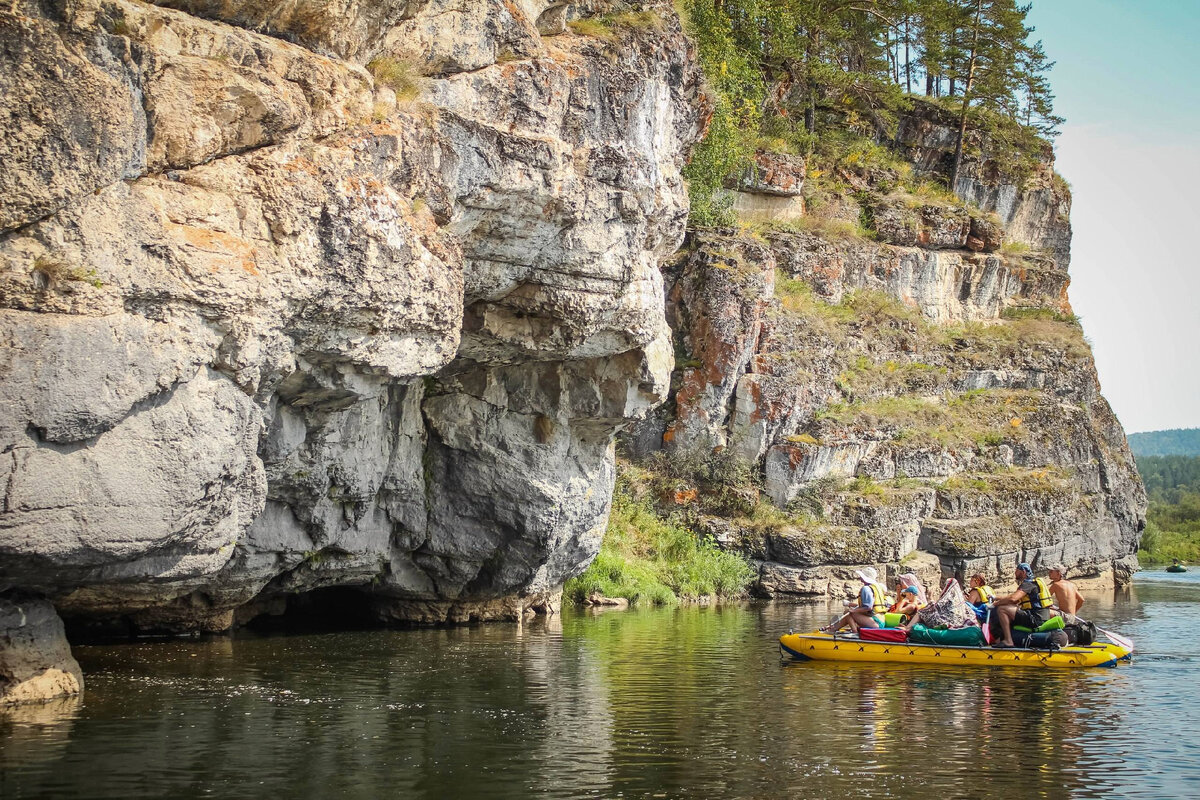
x: 1080, y: 633
x: 1046, y: 640
x: 883, y: 635
x: 951, y: 610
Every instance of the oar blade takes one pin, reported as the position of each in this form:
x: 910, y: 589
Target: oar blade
x: 1116, y: 638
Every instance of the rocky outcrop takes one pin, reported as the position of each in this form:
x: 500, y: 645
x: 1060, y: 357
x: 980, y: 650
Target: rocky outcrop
x: 912, y: 396
x: 35, y: 659
x: 316, y: 295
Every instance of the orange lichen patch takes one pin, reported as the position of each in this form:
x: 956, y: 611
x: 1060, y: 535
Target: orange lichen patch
x: 795, y: 457
x: 365, y: 186
x: 831, y: 272
x: 1015, y: 422
x: 302, y: 164
x: 690, y: 390
x: 669, y: 434
x: 218, y: 243
x: 684, y: 496
x: 1063, y: 302
x: 756, y: 396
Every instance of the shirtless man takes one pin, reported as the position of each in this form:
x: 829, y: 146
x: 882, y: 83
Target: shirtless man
x: 1066, y: 595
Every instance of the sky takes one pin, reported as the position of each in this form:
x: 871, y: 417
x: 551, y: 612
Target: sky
x: 1125, y: 79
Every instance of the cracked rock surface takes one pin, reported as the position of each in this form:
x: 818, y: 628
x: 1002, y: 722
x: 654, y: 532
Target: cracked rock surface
x: 270, y: 323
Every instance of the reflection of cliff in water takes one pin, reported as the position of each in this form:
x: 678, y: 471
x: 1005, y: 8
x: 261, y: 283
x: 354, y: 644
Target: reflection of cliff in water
x: 688, y: 702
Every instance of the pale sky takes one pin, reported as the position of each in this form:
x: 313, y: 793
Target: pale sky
x: 1126, y: 82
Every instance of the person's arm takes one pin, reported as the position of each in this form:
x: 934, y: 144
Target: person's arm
x: 1079, y: 600
x: 1013, y: 599
x: 974, y: 593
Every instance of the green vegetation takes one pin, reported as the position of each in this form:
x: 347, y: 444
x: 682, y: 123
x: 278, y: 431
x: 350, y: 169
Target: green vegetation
x: 654, y: 560
x: 1014, y: 337
x: 973, y: 419
x: 1173, y: 519
x: 828, y: 79
x: 829, y: 228
x: 1174, y: 442
x: 605, y: 26
x: 1038, y: 312
x: 400, y: 76
x: 58, y: 271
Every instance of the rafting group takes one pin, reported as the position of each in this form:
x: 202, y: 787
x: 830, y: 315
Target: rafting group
x: 1039, y: 613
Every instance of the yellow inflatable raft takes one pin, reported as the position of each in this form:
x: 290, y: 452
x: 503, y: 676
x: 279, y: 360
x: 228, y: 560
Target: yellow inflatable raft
x: 826, y: 647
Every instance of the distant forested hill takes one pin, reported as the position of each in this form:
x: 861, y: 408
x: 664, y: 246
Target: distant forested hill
x: 1176, y: 442
x: 1173, y: 519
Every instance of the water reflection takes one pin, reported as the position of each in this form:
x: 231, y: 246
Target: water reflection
x: 679, y: 703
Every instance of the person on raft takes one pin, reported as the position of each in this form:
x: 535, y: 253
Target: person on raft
x: 1029, y: 606
x: 872, y: 605
x: 910, y: 598
x: 980, y: 594
x: 1066, y: 594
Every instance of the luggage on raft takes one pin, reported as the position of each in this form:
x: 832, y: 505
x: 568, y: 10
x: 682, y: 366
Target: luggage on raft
x: 1080, y: 633
x: 960, y: 637
x: 1052, y: 624
x: 882, y: 635
x: 1042, y: 640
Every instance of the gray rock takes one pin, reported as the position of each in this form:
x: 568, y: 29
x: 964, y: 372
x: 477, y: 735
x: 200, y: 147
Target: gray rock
x: 35, y: 660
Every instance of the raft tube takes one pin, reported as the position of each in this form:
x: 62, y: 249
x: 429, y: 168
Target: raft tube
x: 819, y: 646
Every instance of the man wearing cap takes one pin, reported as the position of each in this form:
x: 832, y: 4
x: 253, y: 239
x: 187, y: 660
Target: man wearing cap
x: 1066, y: 594
x: 872, y: 605
x: 1029, y: 606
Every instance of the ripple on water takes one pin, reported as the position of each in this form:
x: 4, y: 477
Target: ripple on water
x: 679, y: 703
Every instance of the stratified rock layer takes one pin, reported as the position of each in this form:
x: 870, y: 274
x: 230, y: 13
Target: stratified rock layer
x: 272, y: 321
x: 921, y: 399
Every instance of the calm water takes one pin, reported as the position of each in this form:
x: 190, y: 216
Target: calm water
x: 683, y: 703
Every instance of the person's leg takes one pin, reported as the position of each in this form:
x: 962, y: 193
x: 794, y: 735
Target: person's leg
x: 834, y: 627
x: 1005, y: 615
x: 862, y: 619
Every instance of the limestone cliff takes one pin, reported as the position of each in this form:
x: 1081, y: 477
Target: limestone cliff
x: 326, y: 294
x: 900, y: 375
x: 330, y: 294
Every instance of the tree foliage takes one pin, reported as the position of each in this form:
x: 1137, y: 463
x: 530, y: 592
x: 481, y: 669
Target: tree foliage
x: 1173, y: 519
x: 785, y: 73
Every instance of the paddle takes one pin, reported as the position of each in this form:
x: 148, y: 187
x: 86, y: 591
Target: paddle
x: 987, y: 626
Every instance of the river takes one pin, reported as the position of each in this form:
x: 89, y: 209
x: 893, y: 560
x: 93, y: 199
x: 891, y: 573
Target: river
x: 688, y: 702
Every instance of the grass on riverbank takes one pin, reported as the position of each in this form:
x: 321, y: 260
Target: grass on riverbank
x: 650, y: 560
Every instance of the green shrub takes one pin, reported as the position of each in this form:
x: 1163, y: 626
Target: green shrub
x: 652, y: 560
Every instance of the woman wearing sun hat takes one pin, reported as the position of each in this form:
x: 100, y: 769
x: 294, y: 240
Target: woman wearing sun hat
x: 872, y: 605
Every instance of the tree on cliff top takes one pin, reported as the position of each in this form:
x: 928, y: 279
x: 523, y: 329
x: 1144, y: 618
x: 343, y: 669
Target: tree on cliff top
x: 784, y: 73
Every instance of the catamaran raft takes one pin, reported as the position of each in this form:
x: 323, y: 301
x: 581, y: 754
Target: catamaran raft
x: 819, y: 646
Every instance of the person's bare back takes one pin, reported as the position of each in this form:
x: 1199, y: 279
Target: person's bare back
x: 1066, y: 594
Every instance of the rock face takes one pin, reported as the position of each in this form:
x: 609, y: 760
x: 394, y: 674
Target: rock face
x: 920, y: 399
x: 296, y: 296
x: 329, y: 294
